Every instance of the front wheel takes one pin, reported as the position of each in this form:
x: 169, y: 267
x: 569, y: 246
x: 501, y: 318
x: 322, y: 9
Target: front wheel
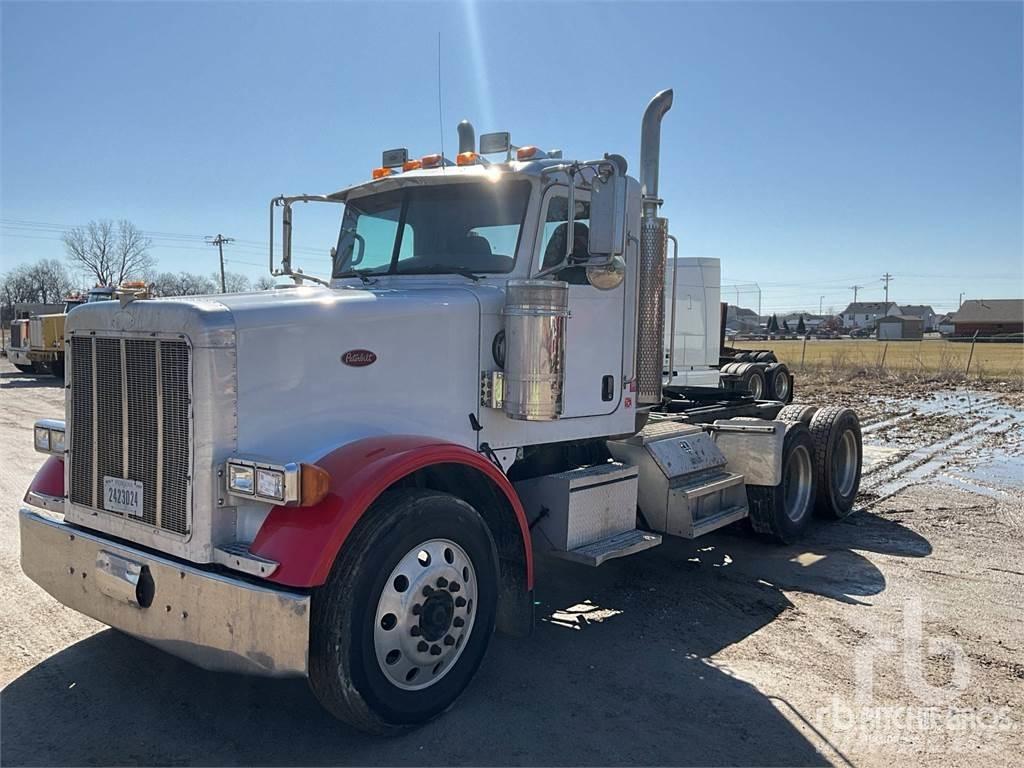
x: 405, y: 617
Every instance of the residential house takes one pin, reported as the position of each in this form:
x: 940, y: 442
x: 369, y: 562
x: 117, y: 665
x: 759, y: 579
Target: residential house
x: 989, y: 317
x: 945, y: 324
x: 864, y: 314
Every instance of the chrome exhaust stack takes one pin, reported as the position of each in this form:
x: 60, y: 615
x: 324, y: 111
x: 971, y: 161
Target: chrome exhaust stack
x: 467, y: 137
x: 650, y: 329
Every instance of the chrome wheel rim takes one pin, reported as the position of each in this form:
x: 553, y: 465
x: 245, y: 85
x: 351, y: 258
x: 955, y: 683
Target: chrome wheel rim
x: 797, y: 484
x: 425, y: 614
x: 781, y: 386
x: 844, y: 460
x: 756, y: 387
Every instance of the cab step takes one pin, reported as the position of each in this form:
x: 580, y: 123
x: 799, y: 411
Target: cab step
x: 618, y: 545
x: 237, y: 556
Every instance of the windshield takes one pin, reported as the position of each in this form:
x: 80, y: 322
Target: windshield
x: 471, y: 226
x: 100, y: 296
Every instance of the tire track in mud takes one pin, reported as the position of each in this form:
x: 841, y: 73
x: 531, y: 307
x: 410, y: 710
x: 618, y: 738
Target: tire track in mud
x: 920, y: 464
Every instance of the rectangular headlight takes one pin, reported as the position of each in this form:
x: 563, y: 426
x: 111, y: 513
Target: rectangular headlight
x: 270, y: 484
x: 273, y: 483
x: 48, y: 436
x: 240, y: 478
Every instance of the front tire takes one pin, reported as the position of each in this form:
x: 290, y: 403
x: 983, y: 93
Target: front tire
x: 405, y: 617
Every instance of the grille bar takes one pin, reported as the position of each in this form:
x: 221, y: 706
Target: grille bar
x: 130, y: 418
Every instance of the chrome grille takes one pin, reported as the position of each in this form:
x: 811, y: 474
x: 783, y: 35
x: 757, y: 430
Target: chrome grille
x: 130, y: 418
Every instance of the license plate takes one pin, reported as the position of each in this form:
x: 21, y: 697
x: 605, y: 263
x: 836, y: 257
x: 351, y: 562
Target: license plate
x: 124, y: 496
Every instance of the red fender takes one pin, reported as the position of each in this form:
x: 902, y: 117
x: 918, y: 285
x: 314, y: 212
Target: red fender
x: 306, y: 540
x: 49, y: 480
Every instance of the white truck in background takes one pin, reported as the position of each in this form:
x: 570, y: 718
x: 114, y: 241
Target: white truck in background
x: 350, y: 481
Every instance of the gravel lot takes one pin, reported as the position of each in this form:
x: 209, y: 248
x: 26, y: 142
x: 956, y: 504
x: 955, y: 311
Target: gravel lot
x: 895, y: 635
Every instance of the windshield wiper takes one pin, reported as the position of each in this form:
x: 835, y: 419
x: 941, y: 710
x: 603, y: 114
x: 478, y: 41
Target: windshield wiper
x: 362, y: 274
x: 444, y: 269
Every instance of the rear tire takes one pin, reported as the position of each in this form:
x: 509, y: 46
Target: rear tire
x: 783, y: 512
x: 752, y: 380
x: 801, y: 413
x: 838, y: 457
x: 779, y: 385
x: 405, y: 617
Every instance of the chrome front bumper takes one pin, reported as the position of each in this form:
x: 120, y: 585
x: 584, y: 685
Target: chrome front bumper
x: 214, y: 621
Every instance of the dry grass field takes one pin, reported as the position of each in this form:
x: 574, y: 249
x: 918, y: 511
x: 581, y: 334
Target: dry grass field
x: 929, y: 358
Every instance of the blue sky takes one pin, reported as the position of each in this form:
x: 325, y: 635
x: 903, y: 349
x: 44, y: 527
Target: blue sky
x: 812, y: 146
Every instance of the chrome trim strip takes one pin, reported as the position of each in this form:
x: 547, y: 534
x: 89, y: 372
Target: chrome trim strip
x: 45, y: 501
x: 124, y: 411
x: 95, y: 430
x: 214, y: 620
x: 160, y: 438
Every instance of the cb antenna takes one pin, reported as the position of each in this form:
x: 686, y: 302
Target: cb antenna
x: 440, y: 112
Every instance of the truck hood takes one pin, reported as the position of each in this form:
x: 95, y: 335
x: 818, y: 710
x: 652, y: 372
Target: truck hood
x: 308, y: 368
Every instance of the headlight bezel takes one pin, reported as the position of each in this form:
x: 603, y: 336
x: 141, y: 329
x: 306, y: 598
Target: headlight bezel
x: 52, y: 432
x: 287, y: 475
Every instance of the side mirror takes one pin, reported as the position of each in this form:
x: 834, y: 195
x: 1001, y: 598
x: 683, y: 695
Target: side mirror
x: 608, y: 215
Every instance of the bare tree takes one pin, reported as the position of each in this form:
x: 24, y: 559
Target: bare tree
x: 265, y: 283
x: 107, y: 252
x: 234, y: 282
x: 45, y: 282
x: 181, y: 284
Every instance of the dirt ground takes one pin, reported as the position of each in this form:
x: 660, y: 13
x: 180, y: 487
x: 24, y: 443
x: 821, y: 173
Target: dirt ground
x: 893, y: 637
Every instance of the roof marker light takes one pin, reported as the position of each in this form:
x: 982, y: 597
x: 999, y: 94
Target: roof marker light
x: 467, y: 158
x: 380, y: 173
x: 412, y: 165
x: 431, y: 161
x: 526, y: 153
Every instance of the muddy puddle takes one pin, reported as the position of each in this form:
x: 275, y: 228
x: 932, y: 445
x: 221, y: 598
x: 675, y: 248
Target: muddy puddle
x: 972, y: 440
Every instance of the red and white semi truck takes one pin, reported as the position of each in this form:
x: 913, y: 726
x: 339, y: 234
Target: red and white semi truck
x: 350, y: 480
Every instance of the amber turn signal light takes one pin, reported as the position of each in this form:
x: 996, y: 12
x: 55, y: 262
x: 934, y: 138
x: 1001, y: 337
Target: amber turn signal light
x: 525, y: 153
x: 316, y: 483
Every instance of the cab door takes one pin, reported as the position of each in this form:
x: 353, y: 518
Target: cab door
x: 594, y: 331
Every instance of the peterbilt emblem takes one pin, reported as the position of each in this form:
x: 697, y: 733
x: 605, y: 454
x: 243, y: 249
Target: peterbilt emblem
x: 359, y: 358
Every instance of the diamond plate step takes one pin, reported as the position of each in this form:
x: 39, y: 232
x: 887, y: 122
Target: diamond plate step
x: 619, y: 545
x: 238, y: 557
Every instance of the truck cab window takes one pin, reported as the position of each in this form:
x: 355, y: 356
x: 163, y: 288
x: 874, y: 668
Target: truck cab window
x: 432, y: 229
x: 556, y: 230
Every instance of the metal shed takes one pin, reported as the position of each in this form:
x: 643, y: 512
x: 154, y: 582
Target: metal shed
x: 900, y: 328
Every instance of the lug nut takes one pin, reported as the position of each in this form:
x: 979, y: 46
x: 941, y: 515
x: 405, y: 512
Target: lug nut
x: 454, y: 586
x: 442, y: 582
x: 435, y: 650
x: 459, y: 602
x: 422, y: 646
x: 416, y: 609
x: 458, y: 621
x: 449, y: 640
x: 428, y: 591
x: 415, y: 631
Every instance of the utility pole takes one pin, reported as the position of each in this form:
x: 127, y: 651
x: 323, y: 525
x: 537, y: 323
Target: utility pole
x: 887, y: 277
x: 821, y: 300
x: 219, y: 241
x: 961, y: 300
x: 855, y: 288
